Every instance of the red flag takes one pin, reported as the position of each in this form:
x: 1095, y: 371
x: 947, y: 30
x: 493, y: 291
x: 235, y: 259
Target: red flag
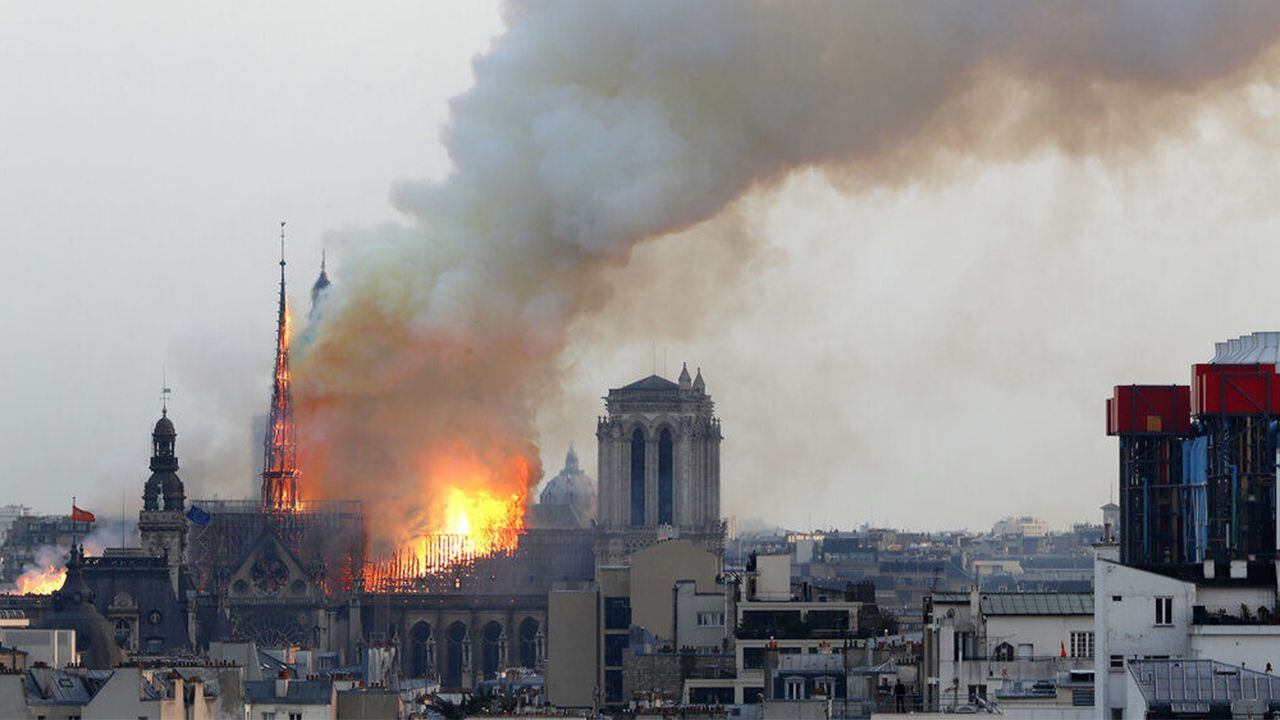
x: 1064, y: 648
x: 78, y: 515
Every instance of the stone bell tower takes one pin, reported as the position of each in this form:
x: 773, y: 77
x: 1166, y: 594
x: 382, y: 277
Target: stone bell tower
x: 162, y: 523
x: 659, y: 455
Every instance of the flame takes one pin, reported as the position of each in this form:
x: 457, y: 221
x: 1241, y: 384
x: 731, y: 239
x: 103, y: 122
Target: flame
x: 479, y: 512
x: 41, y: 580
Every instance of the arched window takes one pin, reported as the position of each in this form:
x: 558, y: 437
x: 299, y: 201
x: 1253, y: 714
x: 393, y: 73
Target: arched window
x: 666, y: 479
x: 529, y: 643
x: 1004, y: 651
x: 454, y: 658
x: 637, y: 478
x: 491, y: 646
x: 419, y: 652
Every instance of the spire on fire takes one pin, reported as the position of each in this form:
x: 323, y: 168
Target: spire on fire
x: 280, y: 451
x: 317, y: 290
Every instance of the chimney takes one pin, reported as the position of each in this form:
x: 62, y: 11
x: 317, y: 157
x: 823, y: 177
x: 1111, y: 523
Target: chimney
x: 282, y: 684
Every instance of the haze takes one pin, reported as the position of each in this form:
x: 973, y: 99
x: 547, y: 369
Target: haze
x: 930, y: 354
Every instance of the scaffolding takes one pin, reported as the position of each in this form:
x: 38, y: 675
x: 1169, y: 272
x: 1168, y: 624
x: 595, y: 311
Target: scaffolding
x: 327, y: 536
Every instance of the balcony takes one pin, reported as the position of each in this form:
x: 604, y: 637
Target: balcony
x: 1200, y: 615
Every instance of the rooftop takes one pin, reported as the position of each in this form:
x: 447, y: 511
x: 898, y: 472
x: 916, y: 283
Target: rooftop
x: 1023, y: 603
x: 1193, y: 686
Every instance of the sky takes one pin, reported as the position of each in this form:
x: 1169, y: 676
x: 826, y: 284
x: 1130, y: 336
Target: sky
x: 929, y: 353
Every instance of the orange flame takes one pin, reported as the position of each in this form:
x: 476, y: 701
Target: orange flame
x: 41, y: 580
x: 479, y: 513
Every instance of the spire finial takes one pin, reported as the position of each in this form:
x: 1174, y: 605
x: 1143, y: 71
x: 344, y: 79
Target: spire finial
x: 322, y: 259
x: 165, y: 391
x: 282, y: 223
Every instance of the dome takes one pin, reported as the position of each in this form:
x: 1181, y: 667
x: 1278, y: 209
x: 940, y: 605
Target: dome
x: 164, y: 427
x: 174, y: 493
x: 151, y: 492
x: 570, y: 486
x: 73, y: 610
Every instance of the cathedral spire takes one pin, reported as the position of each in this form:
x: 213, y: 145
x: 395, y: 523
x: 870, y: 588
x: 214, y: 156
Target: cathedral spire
x: 317, y: 290
x: 280, y: 461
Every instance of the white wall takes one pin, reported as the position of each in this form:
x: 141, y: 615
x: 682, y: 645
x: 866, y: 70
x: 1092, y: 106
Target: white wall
x: 688, y: 604
x: 773, y: 578
x: 55, y: 648
x: 1127, y: 626
x: 1047, y: 633
x: 1250, y: 645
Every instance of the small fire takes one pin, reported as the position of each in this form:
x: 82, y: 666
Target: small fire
x: 42, y: 580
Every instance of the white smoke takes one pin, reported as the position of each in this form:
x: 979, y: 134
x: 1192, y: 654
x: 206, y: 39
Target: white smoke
x: 593, y: 126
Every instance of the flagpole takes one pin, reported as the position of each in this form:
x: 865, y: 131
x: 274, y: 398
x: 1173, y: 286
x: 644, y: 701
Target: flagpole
x: 73, y: 523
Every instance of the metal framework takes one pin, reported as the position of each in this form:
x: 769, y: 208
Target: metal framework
x: 327, y: 535
x: 1240, y: 478
x: 1154, y: 500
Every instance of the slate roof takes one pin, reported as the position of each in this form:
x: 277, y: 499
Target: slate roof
x: 653, y: 382
x: 1192, y: 686
x: 301, y: 692
x: 1020, y: 603
x: 48, y: 686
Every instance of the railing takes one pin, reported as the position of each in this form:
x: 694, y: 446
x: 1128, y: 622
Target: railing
x: 1200, y: 615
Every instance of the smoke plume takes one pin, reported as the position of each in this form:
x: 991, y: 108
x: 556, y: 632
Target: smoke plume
x: 593, y: 126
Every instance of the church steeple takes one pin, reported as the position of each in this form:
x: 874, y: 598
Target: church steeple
x: 163, y: 483
x: 162, y: 523
x: 280, y: 461
x: 317, y: 290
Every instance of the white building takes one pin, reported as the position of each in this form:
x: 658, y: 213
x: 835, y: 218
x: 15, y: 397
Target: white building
x: 1009, y: 649
x: 1025, y: 526
x: 292, y: 699
x: 1223, y: 612
x: 772, y: 615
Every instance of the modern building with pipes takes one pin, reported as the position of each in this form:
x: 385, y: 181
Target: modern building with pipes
x: 1190, y: 576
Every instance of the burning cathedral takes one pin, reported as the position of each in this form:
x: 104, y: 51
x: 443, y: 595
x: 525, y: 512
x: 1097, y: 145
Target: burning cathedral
x: 283, y: 570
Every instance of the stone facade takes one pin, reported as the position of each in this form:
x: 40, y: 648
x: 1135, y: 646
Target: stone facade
x: 659, y: 467
x: 664, y: 673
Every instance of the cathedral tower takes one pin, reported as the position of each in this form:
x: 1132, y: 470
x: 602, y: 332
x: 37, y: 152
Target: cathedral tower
x: 162, y: 522
x: 280, y: 450
x: 659, y: 466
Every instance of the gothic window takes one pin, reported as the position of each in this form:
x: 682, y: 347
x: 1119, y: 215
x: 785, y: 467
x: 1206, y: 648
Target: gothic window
x: 666, y: 479
x: 529, y: 643
x: 491, y: 643
x: 637, y: 478
x: 419, y: 656
x: 456, y: 655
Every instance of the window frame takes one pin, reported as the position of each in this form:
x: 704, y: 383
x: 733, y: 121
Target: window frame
x: 1164, y: 610
x: 1081, y: 644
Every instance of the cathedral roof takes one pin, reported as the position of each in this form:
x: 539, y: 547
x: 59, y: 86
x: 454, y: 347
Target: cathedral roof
x: 653, y: 382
